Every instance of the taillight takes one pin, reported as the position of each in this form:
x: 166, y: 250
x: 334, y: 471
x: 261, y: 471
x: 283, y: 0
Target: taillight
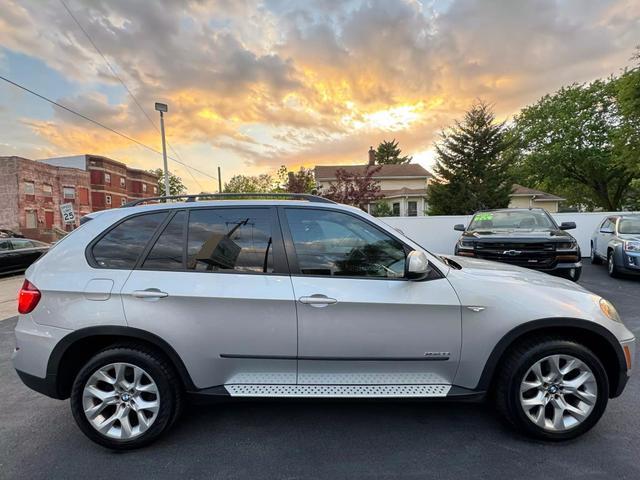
x: 28, y: 297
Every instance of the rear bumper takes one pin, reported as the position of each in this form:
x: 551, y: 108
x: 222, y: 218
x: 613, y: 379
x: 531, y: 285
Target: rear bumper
x: 47, y: 386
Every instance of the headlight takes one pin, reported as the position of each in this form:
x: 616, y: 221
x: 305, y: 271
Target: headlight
x: 567, y: 246
x: 609, y: 310
x: 631, y: 246
x: 464, y: 243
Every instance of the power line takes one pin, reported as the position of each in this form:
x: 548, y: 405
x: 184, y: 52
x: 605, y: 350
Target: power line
x: 95, y: 122
x: 133, y: 97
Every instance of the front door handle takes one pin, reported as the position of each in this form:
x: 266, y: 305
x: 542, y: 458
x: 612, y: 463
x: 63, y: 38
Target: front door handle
x: 149, y: 293
x: 317, y: 300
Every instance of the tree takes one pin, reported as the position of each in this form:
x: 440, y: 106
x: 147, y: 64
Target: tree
x: 176, y: 187
x: 382, y: 209
x: 471, y: 169
x: 355, y: 189
x: 388, y: 153
x: 302, y: 181
x: 582, y: 142
x: 249, y: 184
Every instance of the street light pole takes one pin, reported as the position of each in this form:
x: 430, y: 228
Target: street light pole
x: 162, y: 108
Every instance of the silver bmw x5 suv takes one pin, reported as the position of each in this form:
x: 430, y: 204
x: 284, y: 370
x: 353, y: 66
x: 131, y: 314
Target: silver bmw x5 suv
x: 145, y: 306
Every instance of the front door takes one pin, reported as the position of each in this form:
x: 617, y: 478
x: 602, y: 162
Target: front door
x: 360, y: 321
x: 213, y: 286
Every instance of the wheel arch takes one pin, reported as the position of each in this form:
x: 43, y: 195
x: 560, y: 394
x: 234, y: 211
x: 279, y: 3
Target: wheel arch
x: 597, y: 338
x: 72, y: 352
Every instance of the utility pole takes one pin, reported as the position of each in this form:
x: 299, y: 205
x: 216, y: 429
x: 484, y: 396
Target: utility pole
x: 219, y: 181
x: 162, y: 108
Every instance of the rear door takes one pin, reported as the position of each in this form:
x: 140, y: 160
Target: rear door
x: 214, y: 284
x: 605, y: 232
x: 360, y: 321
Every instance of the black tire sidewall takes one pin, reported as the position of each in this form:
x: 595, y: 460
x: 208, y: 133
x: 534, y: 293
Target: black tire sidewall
x: 544, y: 350
x: 154, y: 367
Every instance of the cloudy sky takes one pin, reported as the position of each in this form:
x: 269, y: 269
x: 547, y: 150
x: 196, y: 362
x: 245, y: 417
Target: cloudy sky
x: 252, y: 85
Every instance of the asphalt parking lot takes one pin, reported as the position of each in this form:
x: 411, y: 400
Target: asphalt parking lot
x: 309, y: 439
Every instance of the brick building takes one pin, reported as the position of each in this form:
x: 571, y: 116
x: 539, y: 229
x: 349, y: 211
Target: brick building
x: 112, y: 183
x: 31, y: 191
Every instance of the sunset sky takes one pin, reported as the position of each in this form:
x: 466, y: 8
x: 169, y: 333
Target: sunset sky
x: 252, y: 85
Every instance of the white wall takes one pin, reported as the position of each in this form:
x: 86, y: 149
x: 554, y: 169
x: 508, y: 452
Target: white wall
x: 437, y: 235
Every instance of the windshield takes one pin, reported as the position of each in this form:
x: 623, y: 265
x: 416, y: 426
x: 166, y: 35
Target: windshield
x: 629, y: 225
x: 515, y: 219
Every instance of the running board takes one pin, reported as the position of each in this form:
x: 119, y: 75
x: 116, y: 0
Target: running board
x: 339, y: 391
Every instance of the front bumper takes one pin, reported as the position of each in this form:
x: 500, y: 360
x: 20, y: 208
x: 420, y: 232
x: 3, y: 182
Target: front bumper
x: 627, y: 262
x: 629, y: 352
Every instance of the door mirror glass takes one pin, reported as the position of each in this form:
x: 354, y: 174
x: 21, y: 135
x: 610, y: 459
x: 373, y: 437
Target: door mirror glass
x: 567, y: 225
x: 417, y: 264
x: 459, y: 227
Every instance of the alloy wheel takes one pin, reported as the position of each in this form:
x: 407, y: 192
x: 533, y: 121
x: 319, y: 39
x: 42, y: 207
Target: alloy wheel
x: 121, y: 401
x: 558, y: 392
x: 611, y: 264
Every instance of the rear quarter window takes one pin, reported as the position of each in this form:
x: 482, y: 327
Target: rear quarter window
x: 121, y: 246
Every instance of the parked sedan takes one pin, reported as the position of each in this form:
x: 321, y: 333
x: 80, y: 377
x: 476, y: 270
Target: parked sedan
x: 16, y: 254
x: 617, y: 241
x: 527, y: 237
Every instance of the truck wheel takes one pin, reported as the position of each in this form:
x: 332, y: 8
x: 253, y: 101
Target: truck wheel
x: 125, y: 397
x: 552, y: 388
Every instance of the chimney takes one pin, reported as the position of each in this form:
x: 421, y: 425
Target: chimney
x: 372, y: 156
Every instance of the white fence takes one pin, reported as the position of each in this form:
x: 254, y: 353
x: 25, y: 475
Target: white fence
x: 437, y: 235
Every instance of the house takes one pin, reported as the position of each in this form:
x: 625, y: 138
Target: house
x: 403, y: 187
x: 524, y: 197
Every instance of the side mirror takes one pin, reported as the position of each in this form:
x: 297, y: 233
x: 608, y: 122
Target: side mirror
x: 417, y: 265
x: 459, y: 227
x: 567, y: 225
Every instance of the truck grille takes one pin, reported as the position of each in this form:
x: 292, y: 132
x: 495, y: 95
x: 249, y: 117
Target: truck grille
x: 531, y: 255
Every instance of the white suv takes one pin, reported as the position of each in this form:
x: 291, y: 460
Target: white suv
x: 301, y: 298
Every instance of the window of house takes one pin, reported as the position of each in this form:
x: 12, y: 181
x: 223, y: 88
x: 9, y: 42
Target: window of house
x: 337, y: 244
x: 69, y: 193
x: 123, y: 200
x: 107, y: 199
x: 167, y: 252
x: 31, y: 219
x: 107, y: 178
x: 121, y: 247
x: 123, y: 182
x: 412, y: 210
x: 47, y: 190
x: 155, y: 190
x: 396, y: 209
x: 144, y: 188
x: 29, y: 188
x: 226, y: 239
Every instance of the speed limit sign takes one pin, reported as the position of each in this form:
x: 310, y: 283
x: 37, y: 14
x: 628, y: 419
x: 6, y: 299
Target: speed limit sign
x: 68, y: 215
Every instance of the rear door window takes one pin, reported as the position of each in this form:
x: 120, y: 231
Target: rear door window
x: 168, y: 251
x: 121, y: 247
x: 230, y: 239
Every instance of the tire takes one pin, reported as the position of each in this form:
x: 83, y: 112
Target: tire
x: 518, y: 367
x: 595, y: 259
x: 612, y: 269
x: 157, y: 387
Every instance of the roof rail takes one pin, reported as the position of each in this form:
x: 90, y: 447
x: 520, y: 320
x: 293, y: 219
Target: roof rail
x: 231, y: 196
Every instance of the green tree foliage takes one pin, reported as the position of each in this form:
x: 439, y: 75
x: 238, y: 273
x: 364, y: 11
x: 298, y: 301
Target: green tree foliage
x: 388, y: 153
x: 249, y: 184
x: 302, y: 181
x: 382, y: 209
x: 176, y: 187
x: 471, y: 169
x: 582, y: 142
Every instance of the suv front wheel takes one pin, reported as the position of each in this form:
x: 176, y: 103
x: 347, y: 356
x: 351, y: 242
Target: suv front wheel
x: 552, y: 388
x: 125, y: 397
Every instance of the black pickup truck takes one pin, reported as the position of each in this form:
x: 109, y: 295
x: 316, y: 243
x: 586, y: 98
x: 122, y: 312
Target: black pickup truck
x: 524, y: 237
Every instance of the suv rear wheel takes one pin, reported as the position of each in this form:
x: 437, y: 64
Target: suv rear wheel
x: 125, y: 397
x: 553, y: 389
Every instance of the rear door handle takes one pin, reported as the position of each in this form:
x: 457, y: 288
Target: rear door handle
x: 149, y: 293
x: 317, y: 300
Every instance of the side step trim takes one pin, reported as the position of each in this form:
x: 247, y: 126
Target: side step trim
x: 339, y: 391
